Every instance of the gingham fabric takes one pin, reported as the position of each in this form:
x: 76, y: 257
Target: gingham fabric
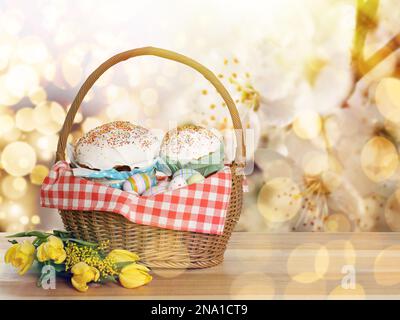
x: 200, y: 207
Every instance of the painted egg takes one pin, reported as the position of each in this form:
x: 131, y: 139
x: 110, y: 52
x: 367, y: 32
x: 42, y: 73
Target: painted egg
x: 139, y: 183
x: 160, y: 188
x: 196, y: 178
x: 186, y: 173
x: 176, y: 183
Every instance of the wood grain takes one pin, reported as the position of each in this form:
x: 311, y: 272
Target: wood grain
x: 256, y: 266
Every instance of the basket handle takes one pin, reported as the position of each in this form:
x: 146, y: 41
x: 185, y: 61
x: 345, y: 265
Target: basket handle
x: 237, y: 124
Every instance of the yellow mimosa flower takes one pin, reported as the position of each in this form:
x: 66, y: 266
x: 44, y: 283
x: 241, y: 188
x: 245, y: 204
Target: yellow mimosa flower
x: 21, y: 256
x: 52, y: 249
x: 82, y: 275
x: 119, y: 255
x: 134, y: 275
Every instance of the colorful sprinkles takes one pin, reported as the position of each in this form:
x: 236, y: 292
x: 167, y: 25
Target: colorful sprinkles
x: 117, y: 134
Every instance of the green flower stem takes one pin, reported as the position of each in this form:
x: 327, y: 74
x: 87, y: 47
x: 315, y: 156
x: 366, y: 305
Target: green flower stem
x: 81, y: 242
x: 38, y: 234
x: 42, y: 237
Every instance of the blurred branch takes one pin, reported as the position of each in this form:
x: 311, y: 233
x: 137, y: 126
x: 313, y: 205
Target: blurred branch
x: 372, y: 62
x: 366, y: 21
x: 390, y: 47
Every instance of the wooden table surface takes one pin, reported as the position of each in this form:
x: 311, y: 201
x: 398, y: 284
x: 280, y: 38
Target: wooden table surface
x: 256, y: 266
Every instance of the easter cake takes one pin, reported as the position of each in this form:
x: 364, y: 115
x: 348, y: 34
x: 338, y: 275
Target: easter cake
x: 192, y: 147
x: 117, y: 145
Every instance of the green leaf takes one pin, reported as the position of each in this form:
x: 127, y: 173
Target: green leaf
x: 82, y: 242
x: 59, y: 267
x: 61, y: 234
x: 13, y: 241
x: 38, y: 241
x: 38, y: 234
x: 108, y: 279
x: 120, y: 265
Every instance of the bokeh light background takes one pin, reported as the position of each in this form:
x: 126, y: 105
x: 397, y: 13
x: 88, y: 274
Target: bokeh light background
x: 325, y: 139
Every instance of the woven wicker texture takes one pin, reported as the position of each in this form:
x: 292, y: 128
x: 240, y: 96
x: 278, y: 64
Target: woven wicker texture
x: 157, y: 247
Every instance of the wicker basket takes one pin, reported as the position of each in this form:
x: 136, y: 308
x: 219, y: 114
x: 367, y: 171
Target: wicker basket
x: 157, y: 247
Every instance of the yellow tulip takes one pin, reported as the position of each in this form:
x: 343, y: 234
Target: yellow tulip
x: 119, y: 255
x: 134, y: 275
x: 82, y: 275
x: 21, y: 256
x: 52, y: 249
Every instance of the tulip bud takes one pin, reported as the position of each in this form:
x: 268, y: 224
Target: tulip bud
x: 21, y: 256
x: 82, y: 275
x: 134, y: 275
x: 52, y: 249
x: 119, y: 255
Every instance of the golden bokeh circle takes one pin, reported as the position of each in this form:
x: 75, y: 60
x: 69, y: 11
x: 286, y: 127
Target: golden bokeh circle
x: 392, y: 211
x: 13, y: 188
x: 340, y: 293
x: 48, y: 117
x: 12, y: 135
x: 115, y: 93
x: 57, y: 113
x: 18, y: 158
x: 6, y: 97
x: 379, y: 159
x: 14, y: 209
x: 252, y: 285
x: 337, y: 222
x: 46, y: 142
x: 6, y: 123
x: 387, y: 97
x: 24, y: 220
x: 37, y: 95
x: 23, y: 119
x: 308, y: 263
x: 71, y: 69
x: 20, y: 79
x: 307, y: 125
x: 279, y: 200
x: 35, y: 219
x: 38, y: 174
x: 386, y: 266
x: 298, y: 290
x: 341, y: 254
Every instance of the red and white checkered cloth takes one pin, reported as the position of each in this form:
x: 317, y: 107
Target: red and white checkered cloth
x: 200, y: 207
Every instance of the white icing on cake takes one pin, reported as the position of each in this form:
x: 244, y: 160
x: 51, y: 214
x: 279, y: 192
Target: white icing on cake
x: 118, y: 143
x: 189, y: 142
